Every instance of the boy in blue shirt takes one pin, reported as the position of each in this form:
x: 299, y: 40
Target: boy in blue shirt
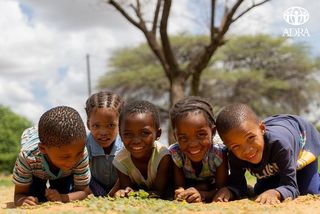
x: 53, y: 152
x: 281, y: 151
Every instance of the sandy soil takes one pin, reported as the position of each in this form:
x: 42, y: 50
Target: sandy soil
x: 303, y: 204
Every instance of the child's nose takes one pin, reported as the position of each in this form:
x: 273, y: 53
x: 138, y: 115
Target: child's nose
x: 247, y: 150
x: 136, y: 139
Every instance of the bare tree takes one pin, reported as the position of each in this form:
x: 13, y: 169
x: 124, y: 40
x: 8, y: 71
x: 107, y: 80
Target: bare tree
x: 156, y: 34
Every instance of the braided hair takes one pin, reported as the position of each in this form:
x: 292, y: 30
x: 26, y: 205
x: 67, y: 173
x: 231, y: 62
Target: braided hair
x: 103, y: 99
x: 233, y: 116
x: 60, y: 126
x: 192, y: 104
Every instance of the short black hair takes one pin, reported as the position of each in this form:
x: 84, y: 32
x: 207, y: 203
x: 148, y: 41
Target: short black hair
x: 138, y: 107
x: 60, y: 126
x: 192, y: 104
x: 233, y: 116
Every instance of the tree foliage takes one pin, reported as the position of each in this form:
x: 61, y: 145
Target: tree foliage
x: 11, y: 128
x: 269, y: 73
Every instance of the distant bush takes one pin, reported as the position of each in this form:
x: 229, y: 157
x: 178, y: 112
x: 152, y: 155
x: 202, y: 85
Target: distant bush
x: 11, y: 128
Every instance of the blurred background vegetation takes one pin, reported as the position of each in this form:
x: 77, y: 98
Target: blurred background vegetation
x: 11, y: 127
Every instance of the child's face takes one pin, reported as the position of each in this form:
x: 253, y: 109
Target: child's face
x: 103, y: 124
x: 246, y: 142
x: 64, y: 157
x: 194, y: 135
x: 138, y: 133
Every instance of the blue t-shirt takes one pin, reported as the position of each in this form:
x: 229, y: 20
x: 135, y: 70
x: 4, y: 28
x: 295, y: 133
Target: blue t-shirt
x: 287, y: 139
x: 101, y: 164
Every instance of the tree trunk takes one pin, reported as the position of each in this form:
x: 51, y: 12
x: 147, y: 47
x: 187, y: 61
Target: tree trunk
x: 195, y: 84
x: 177, y: 87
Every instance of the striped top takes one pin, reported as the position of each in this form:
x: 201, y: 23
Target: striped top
x: 31, y: 162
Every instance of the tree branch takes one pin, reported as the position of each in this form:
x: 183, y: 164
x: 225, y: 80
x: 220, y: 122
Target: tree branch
x: 126, y: 15
x: 212, y: 27
x: 227, y: 18
x: 156, y: 16
x: 248, y: 9
x: 168, y: 54
x: 150, y: 36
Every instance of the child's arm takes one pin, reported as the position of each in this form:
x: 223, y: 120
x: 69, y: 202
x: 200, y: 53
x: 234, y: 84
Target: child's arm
x: 21, y: 196
x: 114, y: 189
x: 178, y: 175
x: 125, y: 185
x: 191, y: 194
x: 163, y: 176
x: 287, y: 187
x: 221, y: 181
x: 80, y: 193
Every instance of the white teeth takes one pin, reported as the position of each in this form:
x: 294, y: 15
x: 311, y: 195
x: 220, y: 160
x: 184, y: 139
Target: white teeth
x: 195, y: 152
x: 137, y: 148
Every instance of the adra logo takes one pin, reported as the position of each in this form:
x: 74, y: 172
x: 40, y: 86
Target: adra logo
x: 296, y: 16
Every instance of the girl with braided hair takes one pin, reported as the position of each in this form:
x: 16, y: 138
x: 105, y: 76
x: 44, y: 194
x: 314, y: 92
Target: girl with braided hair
x: 103, y: 142
x: 200, y: 168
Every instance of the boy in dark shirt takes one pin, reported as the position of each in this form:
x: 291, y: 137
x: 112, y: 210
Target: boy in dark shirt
x: 281, y: 151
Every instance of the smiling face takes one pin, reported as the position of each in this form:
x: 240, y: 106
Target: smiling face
x: 246, y: 142
x: 103, y: 124
x: 194, y: 135
x: 64, y: 157
x: 138, y: 133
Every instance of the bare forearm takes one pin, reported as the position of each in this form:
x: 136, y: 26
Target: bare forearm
x: 78, y: 195
x: 207, y: 196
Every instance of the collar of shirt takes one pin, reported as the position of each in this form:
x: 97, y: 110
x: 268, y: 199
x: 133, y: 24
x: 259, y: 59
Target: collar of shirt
x: 97, y: 150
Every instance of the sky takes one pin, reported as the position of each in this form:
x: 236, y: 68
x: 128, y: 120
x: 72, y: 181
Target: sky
x: 43, y: 44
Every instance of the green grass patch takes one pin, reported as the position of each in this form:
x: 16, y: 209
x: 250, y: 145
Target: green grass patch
x: 6, y: 180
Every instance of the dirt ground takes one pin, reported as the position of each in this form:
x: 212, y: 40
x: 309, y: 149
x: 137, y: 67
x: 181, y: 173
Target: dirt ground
x: 303, y: 204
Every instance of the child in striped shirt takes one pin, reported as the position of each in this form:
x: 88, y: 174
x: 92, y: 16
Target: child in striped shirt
x: 54, y: 152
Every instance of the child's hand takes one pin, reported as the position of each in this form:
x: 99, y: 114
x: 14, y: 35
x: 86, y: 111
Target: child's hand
x: 53, y: 195
x: 27, y: 200
x: 191, y: 195
x: 270, y: 196
x: 121, y: 193
x: 177, y: 192
x: 223, y: 195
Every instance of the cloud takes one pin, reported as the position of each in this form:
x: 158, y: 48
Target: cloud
x: 43, y: 45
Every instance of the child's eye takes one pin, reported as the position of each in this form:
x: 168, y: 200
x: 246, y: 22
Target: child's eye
x: 182, y: 139
x: 145, y: 133
x: 251, y: 139
x: 234, y: 148
x: 202, y: 135
x: 95, y: 126
x: 111, y: 125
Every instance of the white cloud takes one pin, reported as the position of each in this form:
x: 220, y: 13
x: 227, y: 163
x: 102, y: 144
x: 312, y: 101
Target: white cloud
x: 43, y: 45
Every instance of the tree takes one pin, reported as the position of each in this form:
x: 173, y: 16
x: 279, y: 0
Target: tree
x: 158, y: 40
x: 11, y: 128
x: 271, y: 74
